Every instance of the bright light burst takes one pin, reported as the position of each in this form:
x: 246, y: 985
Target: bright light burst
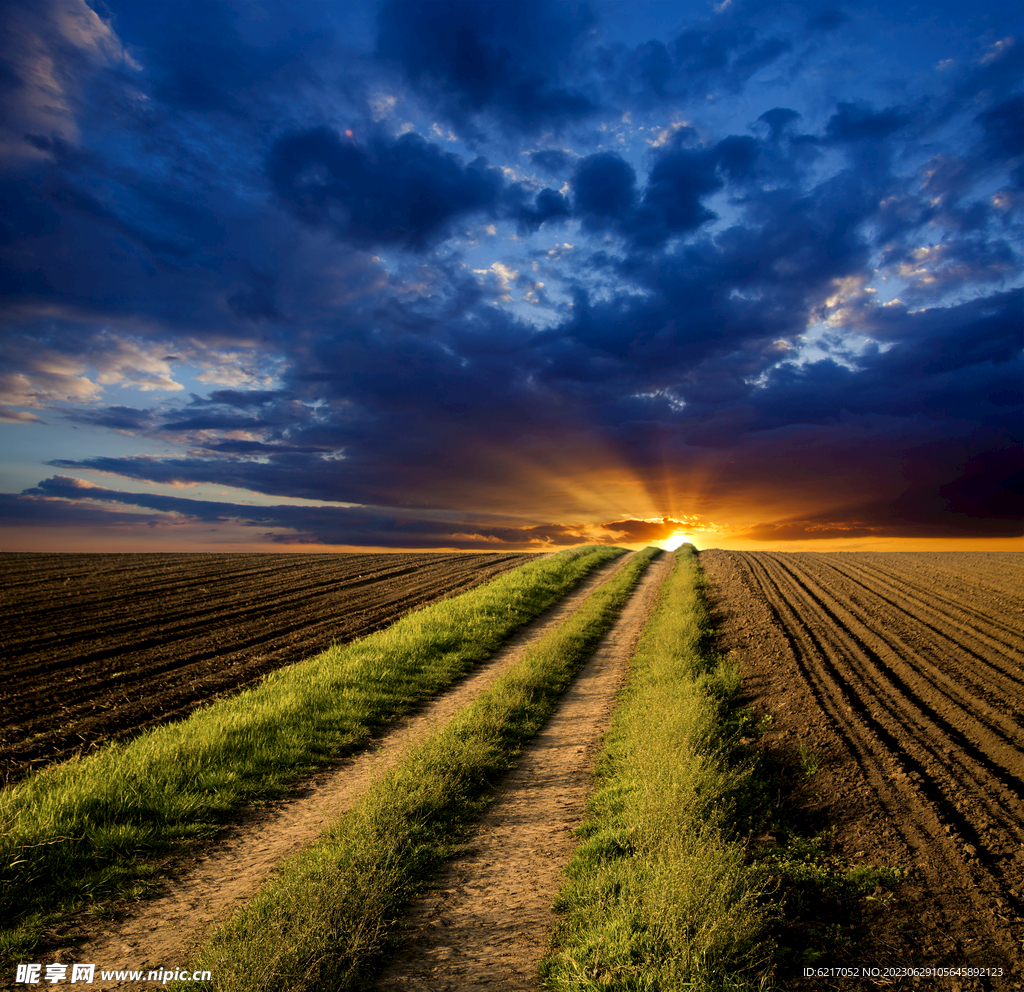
x: 675, y: 541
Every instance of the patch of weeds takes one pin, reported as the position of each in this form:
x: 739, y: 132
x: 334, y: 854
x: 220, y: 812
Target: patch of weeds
x: 18, y: 944
x: 742, y: 721
x: 809, y: 762
x: 820, y: 894
x: 742, y: 724
x: 824, y: 904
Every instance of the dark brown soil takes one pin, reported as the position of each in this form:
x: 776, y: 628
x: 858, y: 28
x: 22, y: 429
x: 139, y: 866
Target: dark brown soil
x: 95, y: 647
x: 905, y: 673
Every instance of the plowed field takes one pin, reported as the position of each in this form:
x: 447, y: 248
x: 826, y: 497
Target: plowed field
x: 906, y: 671
x: 96, y: 647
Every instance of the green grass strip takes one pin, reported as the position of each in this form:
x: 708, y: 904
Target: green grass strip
x: 326, y: 917
x: 658, y: 895
x: 89, y: 827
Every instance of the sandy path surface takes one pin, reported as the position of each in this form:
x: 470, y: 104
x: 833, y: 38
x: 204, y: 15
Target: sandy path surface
x: 906, y: 672
x: 487, y: 923
x: 160, y: 931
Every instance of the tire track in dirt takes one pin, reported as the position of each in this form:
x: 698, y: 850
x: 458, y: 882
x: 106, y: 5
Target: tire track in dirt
x: 163, y: 929
x: 100, y: 647
x: 487, y: 922
x: 942, y: 766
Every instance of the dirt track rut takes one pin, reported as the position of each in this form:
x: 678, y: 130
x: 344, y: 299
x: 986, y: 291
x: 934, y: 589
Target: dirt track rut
x: 915, y: 663
x: 486, y: 924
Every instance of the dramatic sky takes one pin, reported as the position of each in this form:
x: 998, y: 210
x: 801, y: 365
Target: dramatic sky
x: 479, y: 274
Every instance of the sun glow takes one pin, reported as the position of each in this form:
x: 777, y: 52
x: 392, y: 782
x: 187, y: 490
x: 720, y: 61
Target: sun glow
x: 676, y: 541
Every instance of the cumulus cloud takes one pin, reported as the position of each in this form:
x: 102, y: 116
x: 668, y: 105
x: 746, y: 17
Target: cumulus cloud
x: 406, y: 192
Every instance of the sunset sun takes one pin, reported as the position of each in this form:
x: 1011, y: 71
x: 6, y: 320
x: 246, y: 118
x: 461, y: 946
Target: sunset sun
x: 676, y: 541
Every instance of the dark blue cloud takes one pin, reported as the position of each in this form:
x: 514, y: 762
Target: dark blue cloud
x: 778, y: 120
x: 699, y: 50
x: 607, y: 198
x: 33, y: 511
x: 256, y: 301
x: 728, y: 55
x: 404, y: 192
x: 197, y: 60
x: 1004, y: 128
x: 654, y: 66
x: 552, y: 159
x: 241, y: 398
x: 506, y: 57
x: 23, y: 214
x: 676, y: 184
x: 852, y: 122
x: 124, y: 418
x: 605, y: 189
x: 549, y: 205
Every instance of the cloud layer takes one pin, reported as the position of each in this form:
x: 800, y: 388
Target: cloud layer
x: 509, y: 275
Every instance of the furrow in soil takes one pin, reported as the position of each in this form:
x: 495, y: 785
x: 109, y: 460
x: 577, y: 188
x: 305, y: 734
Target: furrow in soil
x: 100, y: 647
x: 917, y: 695
x: 994, y: 646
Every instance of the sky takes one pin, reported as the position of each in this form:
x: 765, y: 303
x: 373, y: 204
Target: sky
x: 486, y: 275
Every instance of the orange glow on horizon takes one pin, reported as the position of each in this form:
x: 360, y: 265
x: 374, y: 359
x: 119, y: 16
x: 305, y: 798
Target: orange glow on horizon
x: 532, y: 499
x: 231, y: 540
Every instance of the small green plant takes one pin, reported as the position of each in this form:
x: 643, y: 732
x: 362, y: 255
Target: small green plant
x: 809, y: 762
x: 814, y: 883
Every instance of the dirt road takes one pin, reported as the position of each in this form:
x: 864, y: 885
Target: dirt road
x: 161, y: 930
x: 906, y: 671
x: 487, y: 923
x: 98, y: 647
